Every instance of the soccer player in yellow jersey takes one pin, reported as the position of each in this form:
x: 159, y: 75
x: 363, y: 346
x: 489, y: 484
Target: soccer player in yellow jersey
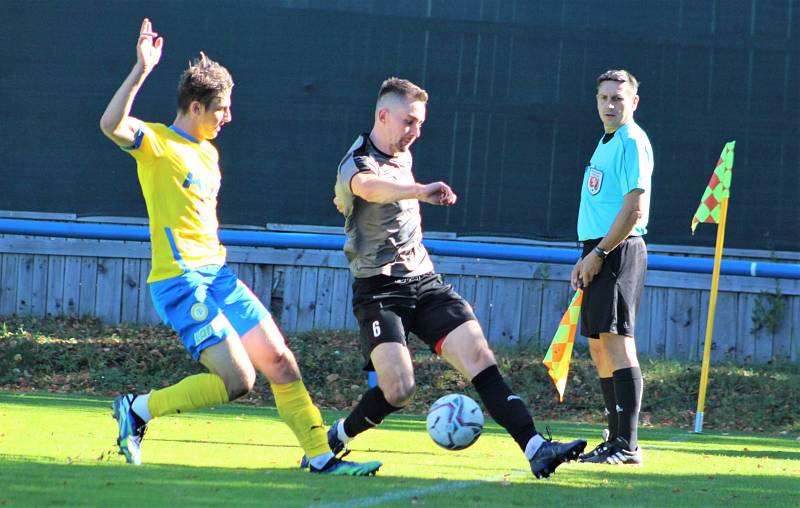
x: 220, y: 321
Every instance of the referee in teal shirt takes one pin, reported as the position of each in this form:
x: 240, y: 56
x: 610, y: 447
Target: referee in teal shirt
x: 612, y: 219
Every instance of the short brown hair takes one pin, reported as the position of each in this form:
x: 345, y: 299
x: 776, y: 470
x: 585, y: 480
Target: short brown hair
x: 621, y: 76
x: 202, y: 81
x: 403, y: 88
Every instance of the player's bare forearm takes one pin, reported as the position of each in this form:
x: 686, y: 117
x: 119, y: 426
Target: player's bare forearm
x: 622, y: 227
x: 116, y: 122
x: 372, y: 188
x: 377, y: 190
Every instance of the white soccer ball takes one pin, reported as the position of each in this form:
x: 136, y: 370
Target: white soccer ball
x: 455, y: 421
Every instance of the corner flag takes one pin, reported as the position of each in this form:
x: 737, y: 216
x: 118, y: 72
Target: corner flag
x: 717, y: 191
x: 560, y: 350
x: 713, y: 209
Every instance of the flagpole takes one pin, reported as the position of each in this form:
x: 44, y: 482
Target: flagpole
x: 712, y: 307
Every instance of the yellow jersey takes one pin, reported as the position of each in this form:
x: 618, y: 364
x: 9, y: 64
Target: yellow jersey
x: 180, y: 180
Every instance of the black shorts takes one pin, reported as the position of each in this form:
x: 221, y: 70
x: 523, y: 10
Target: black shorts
x: 610, y: 301
x: 388, y: 308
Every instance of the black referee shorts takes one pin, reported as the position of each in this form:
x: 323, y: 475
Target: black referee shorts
x: 610, y: 301
x: 388, y: 308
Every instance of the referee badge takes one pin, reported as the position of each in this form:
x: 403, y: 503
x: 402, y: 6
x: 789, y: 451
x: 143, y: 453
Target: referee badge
x: 595, y: 179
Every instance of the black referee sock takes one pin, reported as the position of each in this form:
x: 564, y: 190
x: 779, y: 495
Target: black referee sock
x: 507, y: 409
x: 369, y: 412
x: 610, y: 402
x: 628, y: 387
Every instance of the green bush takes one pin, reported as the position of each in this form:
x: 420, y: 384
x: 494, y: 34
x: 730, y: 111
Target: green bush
x: 81, y: 355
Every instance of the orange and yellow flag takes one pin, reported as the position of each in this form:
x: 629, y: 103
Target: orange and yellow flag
x: 718, y: 189
x: 560, y: 350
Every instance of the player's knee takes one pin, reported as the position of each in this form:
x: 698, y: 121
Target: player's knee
x: 240, y: 384
x: 484, y: 356
x: 282, y: 357
x: 284, y: 364
x: 469, y: 347
x: 400, y: 394
x: 476, y: 358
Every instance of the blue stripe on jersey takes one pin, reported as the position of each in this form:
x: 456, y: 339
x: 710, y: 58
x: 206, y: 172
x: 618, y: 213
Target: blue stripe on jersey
x: 175, y: 253
x: 183, y: 133
x: 188, y: 182
x: 137, y: 140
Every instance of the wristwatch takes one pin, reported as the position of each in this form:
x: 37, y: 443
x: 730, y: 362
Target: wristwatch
x: 600, y: 252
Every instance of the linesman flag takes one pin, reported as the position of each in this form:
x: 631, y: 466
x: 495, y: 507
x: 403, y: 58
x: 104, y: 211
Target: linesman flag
x: 560, y: 350
x: 718, y: 189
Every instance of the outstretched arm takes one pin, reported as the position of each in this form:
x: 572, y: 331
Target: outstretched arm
x: 372, y: 188
x: 116, y: 122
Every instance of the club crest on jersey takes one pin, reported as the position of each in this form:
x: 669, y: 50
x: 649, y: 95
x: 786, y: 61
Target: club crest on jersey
x: 595, y: 180
x: 199, y: 311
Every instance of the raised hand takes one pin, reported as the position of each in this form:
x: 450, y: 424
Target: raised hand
x: 438, y: 193
x: 148, y: 48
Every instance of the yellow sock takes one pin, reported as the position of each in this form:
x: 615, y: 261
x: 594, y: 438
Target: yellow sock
x: 193, y: 392
x: 302, y: 416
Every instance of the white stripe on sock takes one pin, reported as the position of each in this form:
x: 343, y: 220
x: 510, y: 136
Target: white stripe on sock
x: 533, y: 446
x: 139, y: 407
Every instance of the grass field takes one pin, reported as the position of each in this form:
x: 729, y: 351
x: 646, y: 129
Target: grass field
x: 57, y: 450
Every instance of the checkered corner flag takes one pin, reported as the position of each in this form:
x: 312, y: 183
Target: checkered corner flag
x: 560, y: 351
x: 719, y: 189
x: 713, y: 209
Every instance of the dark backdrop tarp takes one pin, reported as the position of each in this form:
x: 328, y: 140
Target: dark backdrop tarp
x: 511, y: 120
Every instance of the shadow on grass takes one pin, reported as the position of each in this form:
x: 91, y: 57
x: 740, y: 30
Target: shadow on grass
x: 54, y: 400
x: 83, y: 402
x: 749, y: 454
x: 417, y: 423
x: 26, y: 482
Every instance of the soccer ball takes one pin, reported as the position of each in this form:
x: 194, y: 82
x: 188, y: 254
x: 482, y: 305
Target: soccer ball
x: 455, y: 421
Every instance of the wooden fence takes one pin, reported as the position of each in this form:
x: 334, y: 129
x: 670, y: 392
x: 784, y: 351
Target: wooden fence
x: 517, y: 303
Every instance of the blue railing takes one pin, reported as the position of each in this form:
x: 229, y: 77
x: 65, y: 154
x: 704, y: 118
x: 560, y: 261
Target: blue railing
x: 440, y: 247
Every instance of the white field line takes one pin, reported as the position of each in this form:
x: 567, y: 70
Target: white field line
x: 400, y: 494
x: 410, y: 493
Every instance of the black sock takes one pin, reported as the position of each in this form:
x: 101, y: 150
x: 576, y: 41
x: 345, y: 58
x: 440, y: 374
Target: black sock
x: 369, y: 412
x: 610, y: 402
x: 507, y: 409
x: 628, y: 392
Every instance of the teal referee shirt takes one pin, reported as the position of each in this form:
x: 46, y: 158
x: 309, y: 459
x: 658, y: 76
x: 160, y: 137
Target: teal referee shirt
x: 622, y: 164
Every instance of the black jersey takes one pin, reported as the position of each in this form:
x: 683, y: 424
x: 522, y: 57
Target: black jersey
x: 382, y: 239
